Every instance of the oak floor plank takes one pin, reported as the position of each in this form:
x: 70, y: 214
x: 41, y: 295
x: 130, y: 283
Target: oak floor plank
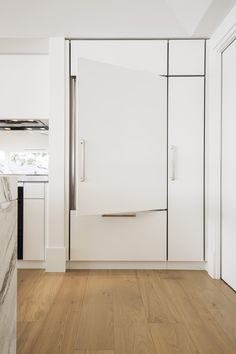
x: 172, y: 338
x: 95, y: 327
x: 202, y: 328
x: 124, y: 312
x: 27, y: 333
x: 93, y: 352
x: 38, y: 301
x: 200, y: 289
x: 154, y: 299
x: 132, y: 335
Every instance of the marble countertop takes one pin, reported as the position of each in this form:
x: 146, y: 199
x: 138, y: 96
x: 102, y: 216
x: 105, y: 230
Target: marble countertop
x: 28, y: 178
x: 32, y: 178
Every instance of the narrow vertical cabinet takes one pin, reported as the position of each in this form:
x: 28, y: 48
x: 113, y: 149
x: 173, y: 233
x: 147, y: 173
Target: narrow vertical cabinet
x: 186, y: 169
x: 34, y: 222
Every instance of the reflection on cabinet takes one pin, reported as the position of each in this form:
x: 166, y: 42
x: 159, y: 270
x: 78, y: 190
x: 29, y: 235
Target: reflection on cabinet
x: 24, y: 86
x: 186, y: 169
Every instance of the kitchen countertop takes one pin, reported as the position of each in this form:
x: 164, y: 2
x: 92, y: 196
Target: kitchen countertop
x: 29, y: 178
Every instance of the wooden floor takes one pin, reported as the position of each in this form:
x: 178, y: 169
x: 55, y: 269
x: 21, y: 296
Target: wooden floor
x: 124, y: 312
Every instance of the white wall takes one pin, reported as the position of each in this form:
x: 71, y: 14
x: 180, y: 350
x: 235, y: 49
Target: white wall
x: 219, y: 41
x: 111, y: 18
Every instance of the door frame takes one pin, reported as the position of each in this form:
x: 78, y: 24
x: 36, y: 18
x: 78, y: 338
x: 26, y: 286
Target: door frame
x: 222, y: 38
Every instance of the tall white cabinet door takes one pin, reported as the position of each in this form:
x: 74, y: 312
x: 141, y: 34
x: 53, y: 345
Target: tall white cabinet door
x: 122, y: 135
x: 34, y: 232
x: 186, y: 169
x: 228, y: 262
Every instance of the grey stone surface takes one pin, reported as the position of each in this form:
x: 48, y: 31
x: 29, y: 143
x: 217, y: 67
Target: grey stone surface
x: 8, y: 247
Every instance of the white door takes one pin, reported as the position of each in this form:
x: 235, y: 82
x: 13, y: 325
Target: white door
x: 121, y: 136
x: 186, y: 169
x: 228, y: 272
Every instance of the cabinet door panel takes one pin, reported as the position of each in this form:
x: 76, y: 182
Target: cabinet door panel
x: 186, y: 169
x: 140, y: 238
x: 34, y: 230
x: 122, y: 119
x: 144, y: 55
x: 187, y: 57
x: 34, y: 190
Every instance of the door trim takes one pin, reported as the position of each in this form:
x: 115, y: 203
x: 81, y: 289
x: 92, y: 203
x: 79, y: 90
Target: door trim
x: 223, y: 37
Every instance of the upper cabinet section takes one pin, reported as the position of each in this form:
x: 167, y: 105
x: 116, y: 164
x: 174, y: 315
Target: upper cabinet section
x: 187, y: 57
x: 24, y: 86
x: 141, y: 55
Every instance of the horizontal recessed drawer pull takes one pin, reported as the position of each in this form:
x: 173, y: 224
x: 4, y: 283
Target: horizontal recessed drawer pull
x: 124, y: 215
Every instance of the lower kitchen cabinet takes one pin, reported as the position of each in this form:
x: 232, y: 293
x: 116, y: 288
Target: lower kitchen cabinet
x: 34, y: 235
x: 32, y: 221
x: 128, y: 238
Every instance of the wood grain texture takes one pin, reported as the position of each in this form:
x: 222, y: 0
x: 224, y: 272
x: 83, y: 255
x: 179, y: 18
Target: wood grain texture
x: 124, y: 312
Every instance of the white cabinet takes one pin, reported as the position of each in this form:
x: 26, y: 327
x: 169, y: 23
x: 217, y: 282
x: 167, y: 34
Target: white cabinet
x: 141, y: 55
x: 34, y: 230
x: 128, y: 238
x: 34, y: 221
x: 122, y: 124
x: 24, y: 86
x: 121, y: 151
x: 187, y: 57
x: 33, y: 190
x: 186, y: 169
x: 228, y: 266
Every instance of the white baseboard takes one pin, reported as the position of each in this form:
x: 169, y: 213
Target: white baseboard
x: 56, y: 259
x: 135, y: 265
x: 115, y: 265
x: 30, y: 264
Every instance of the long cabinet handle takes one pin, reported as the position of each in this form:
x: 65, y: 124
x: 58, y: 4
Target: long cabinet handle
x: 82, y: 146
x: 173, y: 163
x: 72, y: 169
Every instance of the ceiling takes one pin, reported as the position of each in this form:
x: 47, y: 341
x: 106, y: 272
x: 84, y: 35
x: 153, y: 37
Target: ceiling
x: 111, y: 18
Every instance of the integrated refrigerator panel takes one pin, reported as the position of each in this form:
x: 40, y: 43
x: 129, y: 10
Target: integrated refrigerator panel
x: 121, y: 137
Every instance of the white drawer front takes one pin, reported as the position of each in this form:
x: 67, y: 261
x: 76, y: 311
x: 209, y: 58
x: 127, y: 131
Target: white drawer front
x: 34, y: 190
x: 140, y: 238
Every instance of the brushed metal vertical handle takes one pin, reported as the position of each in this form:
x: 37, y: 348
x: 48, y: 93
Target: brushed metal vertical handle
x: 173, y: 163
x: 72, y: 134
x: 82, y: 146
